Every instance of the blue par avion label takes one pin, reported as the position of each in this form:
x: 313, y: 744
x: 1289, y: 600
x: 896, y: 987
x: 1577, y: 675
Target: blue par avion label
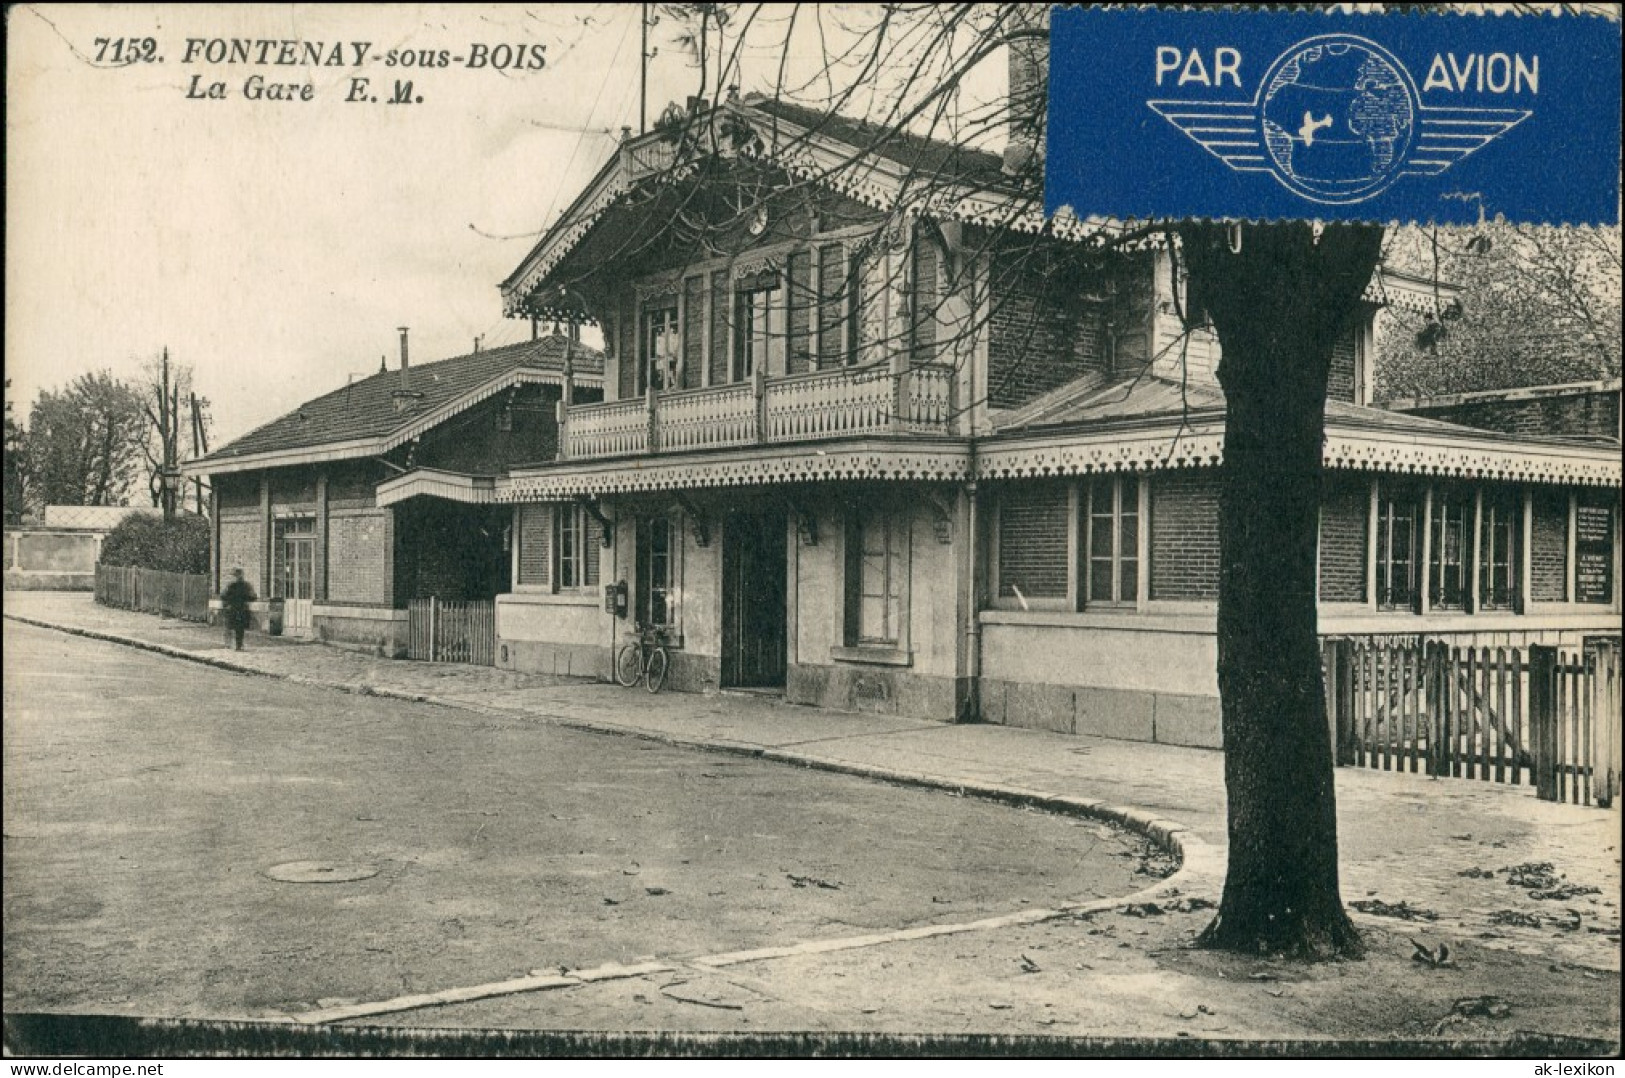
x: 1247, y: 114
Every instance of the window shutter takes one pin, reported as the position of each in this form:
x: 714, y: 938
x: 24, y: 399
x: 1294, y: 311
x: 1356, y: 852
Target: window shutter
x: 535, y: 544
x: 719, y: 328
x: 798, y: 292
x: 629, y: 354
x: 693, y: 331
x: 831, y: 305
x: 925, y: 298
x: 594, y: 532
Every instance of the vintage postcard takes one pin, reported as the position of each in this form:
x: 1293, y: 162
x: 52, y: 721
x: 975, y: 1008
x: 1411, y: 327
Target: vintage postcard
x: 716, y: 530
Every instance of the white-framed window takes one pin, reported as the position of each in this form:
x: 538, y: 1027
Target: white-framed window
x: 1500, y: 538
x: 1397, y: 554
x: 570, y: 543
x: 555, y: 548
x: 877, y: 571
x: 293, y: 552
x: 760, y: 334
x: 1450, y: 541
x: 662, y: 349
x: 659, y: 597
x: 1111, y: 557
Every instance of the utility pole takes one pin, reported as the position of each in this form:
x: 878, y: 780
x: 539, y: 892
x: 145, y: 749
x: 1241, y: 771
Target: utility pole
x: 200, y: 447
x: 166, y: 438
x: 643, y: 69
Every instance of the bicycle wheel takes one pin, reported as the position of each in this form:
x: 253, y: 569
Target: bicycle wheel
x: 659, y: 662
x: 629, y: 665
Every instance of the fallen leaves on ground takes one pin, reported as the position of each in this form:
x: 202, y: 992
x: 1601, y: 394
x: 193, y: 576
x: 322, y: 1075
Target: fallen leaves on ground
x: 812, y: 881
x: 1402, y: 910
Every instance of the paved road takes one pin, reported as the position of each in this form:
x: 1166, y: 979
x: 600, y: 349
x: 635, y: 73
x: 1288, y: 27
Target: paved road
x: 146, y: 799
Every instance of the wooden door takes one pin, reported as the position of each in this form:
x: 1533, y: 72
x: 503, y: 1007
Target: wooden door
x: 754, y: 580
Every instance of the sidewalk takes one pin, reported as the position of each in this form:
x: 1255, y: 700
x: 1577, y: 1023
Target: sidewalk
x: 1403, y: 838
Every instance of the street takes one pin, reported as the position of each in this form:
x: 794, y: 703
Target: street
x: 149, y: 803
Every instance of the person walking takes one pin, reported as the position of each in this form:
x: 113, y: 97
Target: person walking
x: 236, y: 597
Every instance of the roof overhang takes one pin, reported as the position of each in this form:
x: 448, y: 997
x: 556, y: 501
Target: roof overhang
x: 896, y: 459
x: 411, y: 427
x: 434, y: 483
x: 1198, y: 441
x: 808, y: 156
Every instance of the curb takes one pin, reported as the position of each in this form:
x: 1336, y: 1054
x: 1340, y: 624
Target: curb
x: 1199, y: 860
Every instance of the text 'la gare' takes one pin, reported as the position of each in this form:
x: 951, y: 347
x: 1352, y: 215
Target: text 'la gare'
x: 1492, y: 73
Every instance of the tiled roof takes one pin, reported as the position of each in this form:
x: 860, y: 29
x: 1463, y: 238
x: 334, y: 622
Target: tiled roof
x: 1094, y: 398
x: 366, y: 409
x: 917, y: 153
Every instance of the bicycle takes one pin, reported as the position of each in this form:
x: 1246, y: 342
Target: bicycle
x: 643, y: 659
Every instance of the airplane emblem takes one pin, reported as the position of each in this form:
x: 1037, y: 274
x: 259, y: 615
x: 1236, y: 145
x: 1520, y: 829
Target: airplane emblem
x: 1337, y: 119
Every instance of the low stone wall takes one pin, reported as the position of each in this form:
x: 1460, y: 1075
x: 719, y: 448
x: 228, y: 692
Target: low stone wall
x: 44, y: 559
x: 381, y: 631
x: 17, y: 580
x: 879, y: 689
x: 546, y: 657
x: 1129, y: 714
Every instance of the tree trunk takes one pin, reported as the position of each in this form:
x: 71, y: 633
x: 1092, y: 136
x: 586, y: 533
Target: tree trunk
x: 1279, y: 297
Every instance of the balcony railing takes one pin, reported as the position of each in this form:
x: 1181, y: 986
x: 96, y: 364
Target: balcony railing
x: 798, y: 408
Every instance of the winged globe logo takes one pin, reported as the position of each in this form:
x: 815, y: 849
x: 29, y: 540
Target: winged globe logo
x: 1337, y: 119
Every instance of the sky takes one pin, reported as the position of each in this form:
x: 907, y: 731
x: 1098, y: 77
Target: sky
x: 275, y: 246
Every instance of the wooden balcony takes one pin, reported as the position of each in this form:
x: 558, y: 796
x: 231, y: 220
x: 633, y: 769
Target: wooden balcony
x: 820, y: 405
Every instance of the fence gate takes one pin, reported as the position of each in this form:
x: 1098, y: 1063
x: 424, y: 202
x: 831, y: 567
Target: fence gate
x: 441, y: 632
x: 1536, y: 715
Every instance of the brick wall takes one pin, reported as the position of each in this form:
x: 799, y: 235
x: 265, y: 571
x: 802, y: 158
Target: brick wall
x: 358, y: 562
x: 293, y: 489
x: 237, y: 491
x: 1549, y: 547
x: 1033, y: 540
x: 1594, y: 413
x: 479, y: 441
x: 352, y: 485
x: 1040, y: 335
x: 240, y: 546
x: 1185, y: 536
x: 1340, y: 386
x: 1344, y: 517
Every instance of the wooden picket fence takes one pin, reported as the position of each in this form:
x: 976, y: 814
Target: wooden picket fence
x: 176, y: 595
x: 442, y: 632
x: 1536, y: 715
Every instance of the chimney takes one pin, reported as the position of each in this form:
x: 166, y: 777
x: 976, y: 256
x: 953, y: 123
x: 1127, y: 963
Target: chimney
x: 404, y: 397
x: 1029, y: 89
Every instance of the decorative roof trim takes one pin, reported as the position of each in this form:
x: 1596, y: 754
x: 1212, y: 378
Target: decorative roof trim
x: 477, y: 395
x: 878, y: 183
x: 434, y: 483
x: 1348, y: 447
x: 284, y: 458
x: 382, y: 443
x: 1157, y: 448
x: 909, y: 459
x: 1471, y: 458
